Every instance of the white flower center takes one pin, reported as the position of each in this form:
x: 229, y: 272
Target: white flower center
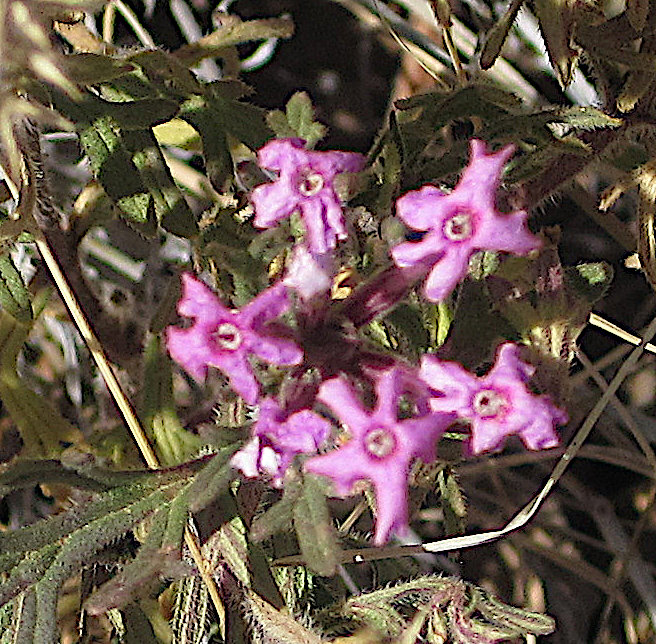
x: 488, y: 403
x: 227, y: 336
x: 459, y: 227
x: 379, y: 442
x: 310, y: 183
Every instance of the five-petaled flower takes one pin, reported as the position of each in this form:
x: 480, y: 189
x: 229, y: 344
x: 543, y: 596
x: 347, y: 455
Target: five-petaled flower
x: 496, y: 405
x: 224, y: 338
x: 460, y: 223
x: 305, y: 183
x: 277, y: 437
x: 380, y: 448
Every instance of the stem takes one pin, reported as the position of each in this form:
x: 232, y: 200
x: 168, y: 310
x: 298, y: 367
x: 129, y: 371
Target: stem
x: 123, y: 404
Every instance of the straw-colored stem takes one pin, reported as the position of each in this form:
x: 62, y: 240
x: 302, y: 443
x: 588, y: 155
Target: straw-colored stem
x: 139, y: 31
x: 123, y: 404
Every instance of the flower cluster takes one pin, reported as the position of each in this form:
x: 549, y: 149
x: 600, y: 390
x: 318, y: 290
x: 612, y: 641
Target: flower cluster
x: 412, y: 406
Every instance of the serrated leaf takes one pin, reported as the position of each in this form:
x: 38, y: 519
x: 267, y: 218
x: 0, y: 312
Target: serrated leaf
x: 234, y: 34
x: 42, y: 428
x: 14, y: 297
x: 53, y: 549
x: 453, y: 503
x: 216, y: 117
x: 314, y: 528
x: 25, y: 473
x: 587, y: 118
x: 497, y: 35
x: 166, y: 72
x: 213, y: 479
x: 297, y: 120
x: 557, y: 24
x: 278, y: 517
x: 131, y: 168
x: 93, y: 69
x: 158, y: 557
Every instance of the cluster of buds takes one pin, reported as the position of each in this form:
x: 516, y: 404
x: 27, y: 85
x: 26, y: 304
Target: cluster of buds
x: 412, y: 405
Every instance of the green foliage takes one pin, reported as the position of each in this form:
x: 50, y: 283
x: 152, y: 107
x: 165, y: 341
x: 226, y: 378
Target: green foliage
x: 174, y: 444
x: 467, y: 612
x: 297, y: 120
x: 314, y: 528
x: 14, y: 297
x: 40, y: 558
x: 43, y: 429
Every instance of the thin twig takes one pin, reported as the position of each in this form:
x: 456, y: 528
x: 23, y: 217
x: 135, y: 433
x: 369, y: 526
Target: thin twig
x: 123, y: 404
x: 139, y: 31
x: 117, y: 393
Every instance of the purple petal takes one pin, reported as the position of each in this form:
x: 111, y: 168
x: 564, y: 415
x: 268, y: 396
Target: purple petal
x: 391, y: 504
x: 426, y: 252
x: 455, y: 384
x: 508, y: 365
x: 269, y: 304
x: 278, y: 351
x: 239, y: 372
x: 279, y: 153
x: 306, y: 431
x: 189, y: 349
x: 307, y: 274
x: 424, y: 433
x: 273, y: 202
x: 338, y: 394
x: 507, y: 233
x: 199, y: 301
x: 341, y: 466
x: 416, y: 209
x: 447, y: 272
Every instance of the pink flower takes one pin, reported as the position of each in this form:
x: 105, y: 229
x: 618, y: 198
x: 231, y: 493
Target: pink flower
x: 309, y: 275
x: 497, y: 405
x: 305, y: 183
x: 460, y: 223
x: 277, y: 438
x: 381, y: 446
x: 224, y: 338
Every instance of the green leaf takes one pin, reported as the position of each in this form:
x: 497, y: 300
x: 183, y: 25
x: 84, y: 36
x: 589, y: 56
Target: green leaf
x: 158, y: 557
x: 216, y: 117
x: 131, y: 168
x: 213, y: 479
x: 453, y: 503
x: 497, y: 35
x: 44, y: 555
x: 314, y: 528
x: 26, y: 473
x: 14, y: 296
x: 173, y: 443
x: 234, y: 34
x: 297, y: 120
x: 278, y: 517
x: 42, y: 428
x: 93, y: 69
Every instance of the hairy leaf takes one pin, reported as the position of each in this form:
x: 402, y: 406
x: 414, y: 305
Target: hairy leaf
x: 314, y: 528
x: 174, y: 444
x: 297, y: 120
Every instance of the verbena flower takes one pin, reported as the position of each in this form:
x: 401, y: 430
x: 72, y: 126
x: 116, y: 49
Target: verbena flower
x: 308, y: 274
x: 305, y: 183
x: 380, y: 448
x: 224, y: 338
x: 496, y: 405
x: 277, y: 438
x: 460, y: 223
